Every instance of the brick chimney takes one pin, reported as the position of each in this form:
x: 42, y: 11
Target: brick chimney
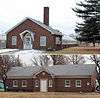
x: 46, y: 16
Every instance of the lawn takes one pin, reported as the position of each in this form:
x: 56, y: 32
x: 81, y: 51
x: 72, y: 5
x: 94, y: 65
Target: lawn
x: 48, y: 95
x: 79, y: 50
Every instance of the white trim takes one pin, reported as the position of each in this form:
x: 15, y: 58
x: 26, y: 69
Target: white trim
x: 41, y: 70
x: 25, y: 83
x: 65, y: 83
x: 30, y: 32
x: 36, y: 83
x: 14, y: 83
x: 77, y: 84
x: 27, y: 41
x: 14, y: 40
x: 43, y: 40
x: 43, y: 85
x: 88, y: 83
x: 58, y: 41
x: 50, y: 83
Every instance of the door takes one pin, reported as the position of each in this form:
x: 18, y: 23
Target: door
x: 43, y: 85
x: 27, y: 41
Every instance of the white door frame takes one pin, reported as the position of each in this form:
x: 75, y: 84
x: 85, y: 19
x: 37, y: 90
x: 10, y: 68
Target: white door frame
x: 43, y: 85
x: 27, y: 42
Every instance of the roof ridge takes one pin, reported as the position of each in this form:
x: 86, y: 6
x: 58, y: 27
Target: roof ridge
x: 50, y: 29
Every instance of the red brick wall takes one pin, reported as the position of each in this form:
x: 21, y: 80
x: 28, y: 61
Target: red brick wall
x: 30, y: 85
x: 48, y: 77
x: 58, y: 85
x: 84, y: 88
x: 30, y: 25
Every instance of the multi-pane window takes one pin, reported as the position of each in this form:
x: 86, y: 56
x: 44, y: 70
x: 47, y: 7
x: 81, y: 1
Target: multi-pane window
x: 78, y: 83
x: 36, y: 83
x: 43, y: 41
x: 67, y: 83
x: 24, y: 83
x: 14, y: 40
x: 50, y: 83
x: 15, y: 83
x: 58, y: 41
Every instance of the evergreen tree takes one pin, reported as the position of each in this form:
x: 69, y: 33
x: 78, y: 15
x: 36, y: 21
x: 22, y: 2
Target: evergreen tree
x: 89, y: 29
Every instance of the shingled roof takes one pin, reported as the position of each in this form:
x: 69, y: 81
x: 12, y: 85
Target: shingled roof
x: 22, y: 71
x: 56, y: 70
x: 50, y: 29
x: 67, y: 70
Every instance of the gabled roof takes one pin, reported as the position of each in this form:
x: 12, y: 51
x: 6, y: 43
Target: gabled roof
x: 22, y: 71
x: 67, y: 70
x: 56, y: 70
x: 50, y: 29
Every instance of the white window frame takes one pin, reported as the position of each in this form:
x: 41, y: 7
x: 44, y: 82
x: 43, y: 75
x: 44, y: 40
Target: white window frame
x: 36, y: 83
x: 23, y: 83
x: 14, y: 40
x: 76, y: 84
x: 15, y: 83
x: 67, y: 83
x: 50, y: 83
x: 58, y: 41
x: 43, y: 40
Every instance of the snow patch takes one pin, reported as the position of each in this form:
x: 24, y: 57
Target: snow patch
x: 26, y: 56
x: 3, y: 51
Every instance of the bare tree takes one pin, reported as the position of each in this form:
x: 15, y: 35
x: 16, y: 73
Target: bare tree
x: 59, y: 59
x: 75, y: 59
x: 96, y: 60
x: 6, y: 62
x: 11, y: 60
x: 43, y: 61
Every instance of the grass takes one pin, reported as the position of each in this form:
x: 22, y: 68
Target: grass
x: 77, y: 50
x: 48, y: 95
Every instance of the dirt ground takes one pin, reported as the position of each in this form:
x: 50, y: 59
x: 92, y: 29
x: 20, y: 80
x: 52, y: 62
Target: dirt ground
x: 48, y: 95
x: 80, y: 50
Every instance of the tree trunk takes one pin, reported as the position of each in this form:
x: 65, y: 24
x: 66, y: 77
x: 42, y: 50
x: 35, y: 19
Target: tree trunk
x: 4, y: 83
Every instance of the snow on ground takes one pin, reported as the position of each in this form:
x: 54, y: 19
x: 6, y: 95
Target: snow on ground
x: 26, y: 56
x: 4, y: 51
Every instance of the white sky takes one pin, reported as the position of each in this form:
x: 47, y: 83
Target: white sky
x: 61, y: 15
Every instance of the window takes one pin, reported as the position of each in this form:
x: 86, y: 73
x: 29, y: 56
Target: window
x: 78, y: 83
x: 24, y: 83
x: 15, y: 83
x: 58, y: 41
x: 50, y: 83
x: 36, y: 83
x: 43, y: 41
x: 14, y: 40
x: 67, y: 83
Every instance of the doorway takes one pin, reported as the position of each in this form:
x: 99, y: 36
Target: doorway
x: 27, y: 42
x: 43, y: 85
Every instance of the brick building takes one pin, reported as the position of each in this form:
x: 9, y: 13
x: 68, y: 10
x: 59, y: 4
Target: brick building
x: 57, y: 78
x: 33, y: 34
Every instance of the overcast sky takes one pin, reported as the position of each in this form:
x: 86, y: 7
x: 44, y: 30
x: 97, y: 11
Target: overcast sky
x: 61, y: 15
